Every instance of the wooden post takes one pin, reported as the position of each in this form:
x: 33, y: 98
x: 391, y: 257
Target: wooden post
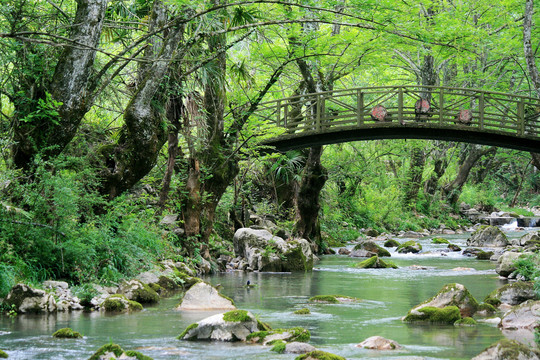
x: 400, y: 105
x: 318, y: 110
x: 278, y: 111
x: 359, y: 108
x: 481, y: 109
x: 441, y: 106
x: 286, y: 115
x: 521, y: 117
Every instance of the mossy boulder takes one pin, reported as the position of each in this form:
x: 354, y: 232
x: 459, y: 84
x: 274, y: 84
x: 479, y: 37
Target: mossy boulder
x: 297, y: 334
x: 453, y: 247
x: 304, y: 311
x: 319, y: 355
x: 488, y: 236
x: 278, y: 346
x: 452, y: 295
x: 234, y: 325
x: 508, y: 349
x: 439, y: 240
x: 485, y: 309
x: 375, y: 263
x: 295, y: 258
x: 332, y: 299
x: 484, y: 255
x: 138, y: 291
x: 466, y: 321
x: 391, y: 243
x: 25, y: 299
x: 530, y: 239
x: 410, y: 246
x: 119, y: 303
x: 513, y: 293
x: 113, y: 351
x: 446, y: 315
x: 67, y: 333
x: 3, y: 355
x: 371, y: 246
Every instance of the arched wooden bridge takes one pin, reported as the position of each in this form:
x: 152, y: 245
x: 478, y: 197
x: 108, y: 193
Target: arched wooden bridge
x: 397, y: 112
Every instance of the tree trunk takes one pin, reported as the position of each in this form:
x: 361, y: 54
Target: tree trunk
x: 313, y: 180
x: 414, y: 177
x: 528, y: 48
x: 66, y: 96
x: 453, y: 189
x: 143, y: 134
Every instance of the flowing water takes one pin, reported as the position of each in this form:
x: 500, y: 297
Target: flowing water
x: 387, y: 295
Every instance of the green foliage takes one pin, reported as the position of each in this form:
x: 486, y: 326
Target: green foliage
x: 59, y: 235
x: 67, y: 333
x: 528, y: 267
x: 3, y: 354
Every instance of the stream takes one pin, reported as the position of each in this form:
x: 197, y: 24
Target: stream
x: 387, y: 295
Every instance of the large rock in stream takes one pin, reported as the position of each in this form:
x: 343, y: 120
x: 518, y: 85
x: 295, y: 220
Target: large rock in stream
x: 28, y: 300
x: 508, y: 350
x: 203, y: 297
x: 266, y: 252
x: 513, y: 293
x: 506, y: 263
x: 488, y: 236
x: 524, y: 316
x: 230, y: 326
x: 450, y: 295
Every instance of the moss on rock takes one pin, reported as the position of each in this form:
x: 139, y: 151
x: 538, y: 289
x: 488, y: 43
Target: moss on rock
x: 278, y: 346
x: 119, y: 303
x: 67, y: 333
x: 439, y: 240
x: 3, y: 355
x: 304, y: 311
x: 391, y: 243
x: 372, y: 247
x: 330, y: 299
x: 487, y: 308
x: 296, y: 334
x: 295, y: 260
x: 108, y: 348
x: 409, y: 246
x: 236, y: 316
x: 137, y: 355
x: 484, y: 255
x: 319, y: 355
x: 446, y: 315
x: 145, y: 295
x: 375, y: 262
x: 186, y: 330
x: 466, y: 321
x: 512, y: 349
x: 262, y: 326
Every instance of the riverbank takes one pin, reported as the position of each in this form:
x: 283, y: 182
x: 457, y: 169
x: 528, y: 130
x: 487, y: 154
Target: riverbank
x: 386, y: 294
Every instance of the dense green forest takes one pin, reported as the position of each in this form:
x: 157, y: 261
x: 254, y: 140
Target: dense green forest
x: 114, y: 114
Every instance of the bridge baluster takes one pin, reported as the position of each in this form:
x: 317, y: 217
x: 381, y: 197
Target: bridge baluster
x: 481, y: 108
x: 441, y: 106
x: 400, y: 105
x: 359, y: 108
x: 521, y: 117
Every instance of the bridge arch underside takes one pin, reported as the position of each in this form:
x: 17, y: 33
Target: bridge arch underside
x: 409, y: 131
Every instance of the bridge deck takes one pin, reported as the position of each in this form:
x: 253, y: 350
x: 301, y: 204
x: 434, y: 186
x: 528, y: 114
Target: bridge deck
x: 391, y: 112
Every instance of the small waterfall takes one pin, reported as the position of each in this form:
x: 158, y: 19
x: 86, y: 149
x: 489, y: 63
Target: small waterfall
x: 510, y: 226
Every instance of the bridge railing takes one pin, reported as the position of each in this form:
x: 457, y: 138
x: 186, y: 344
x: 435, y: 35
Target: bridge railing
x: 432, y: 106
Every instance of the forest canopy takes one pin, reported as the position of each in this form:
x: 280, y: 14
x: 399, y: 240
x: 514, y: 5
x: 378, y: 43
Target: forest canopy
x: 115, y: 113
